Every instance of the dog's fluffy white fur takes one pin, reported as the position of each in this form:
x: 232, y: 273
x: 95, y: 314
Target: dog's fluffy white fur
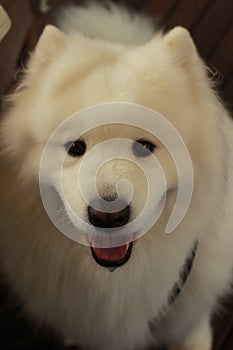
x: 95, y: 21
x: 57, y: 279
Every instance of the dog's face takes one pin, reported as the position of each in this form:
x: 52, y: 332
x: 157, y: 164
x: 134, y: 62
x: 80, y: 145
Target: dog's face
x: 68, y: 74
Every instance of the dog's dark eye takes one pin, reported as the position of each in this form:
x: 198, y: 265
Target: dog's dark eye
x: 143, y: 148
x: 76, y: 148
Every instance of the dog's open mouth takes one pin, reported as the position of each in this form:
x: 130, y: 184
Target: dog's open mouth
x: 112, y: 257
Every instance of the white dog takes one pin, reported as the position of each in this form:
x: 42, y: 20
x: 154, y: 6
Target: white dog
x: 158, y: 289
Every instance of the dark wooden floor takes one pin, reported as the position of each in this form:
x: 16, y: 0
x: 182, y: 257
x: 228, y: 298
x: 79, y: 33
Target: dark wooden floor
x: 211, y: 25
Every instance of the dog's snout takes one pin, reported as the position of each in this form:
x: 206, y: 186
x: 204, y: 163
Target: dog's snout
x: 109, y: 220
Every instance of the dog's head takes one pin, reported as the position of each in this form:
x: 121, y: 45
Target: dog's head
x: 68, y: 74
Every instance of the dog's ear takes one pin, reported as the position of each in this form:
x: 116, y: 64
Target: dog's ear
x: 50, y: 43
x: 181, y: 45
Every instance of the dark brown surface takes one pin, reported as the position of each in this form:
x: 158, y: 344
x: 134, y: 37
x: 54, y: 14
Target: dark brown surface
x: 211, y: 25
x: 11, y: 45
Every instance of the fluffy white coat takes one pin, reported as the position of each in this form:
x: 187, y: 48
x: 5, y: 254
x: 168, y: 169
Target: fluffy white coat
x: 58, y: 281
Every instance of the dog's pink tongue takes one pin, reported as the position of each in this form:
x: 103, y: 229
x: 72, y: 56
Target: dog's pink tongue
x: 111, y: 254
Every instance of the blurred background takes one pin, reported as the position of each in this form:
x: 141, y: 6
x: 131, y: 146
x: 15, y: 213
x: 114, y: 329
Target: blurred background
x: 211, y: 25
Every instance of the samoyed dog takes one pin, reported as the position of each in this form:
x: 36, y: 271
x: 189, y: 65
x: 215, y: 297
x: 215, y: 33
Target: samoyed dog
x: 110, y: 287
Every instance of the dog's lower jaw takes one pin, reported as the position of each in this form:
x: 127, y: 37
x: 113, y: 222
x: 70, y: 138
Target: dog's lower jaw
x: 199, y: 338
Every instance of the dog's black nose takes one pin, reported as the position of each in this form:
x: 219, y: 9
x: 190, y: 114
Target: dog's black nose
x: 108, y: 220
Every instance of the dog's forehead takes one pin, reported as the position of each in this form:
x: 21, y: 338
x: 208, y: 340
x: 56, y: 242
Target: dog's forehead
x: 117, y: 130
